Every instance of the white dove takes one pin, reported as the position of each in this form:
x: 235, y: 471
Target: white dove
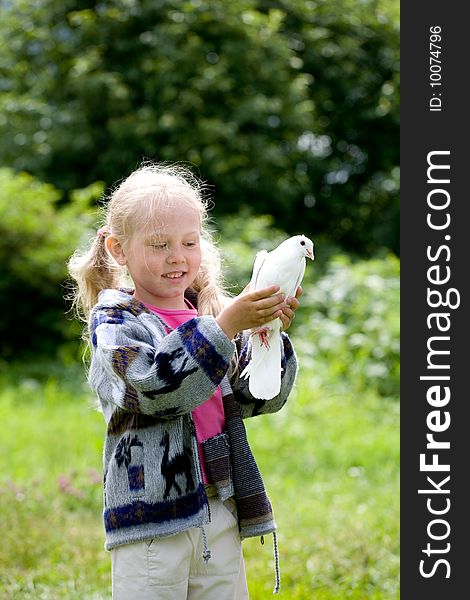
x: 283, y: 266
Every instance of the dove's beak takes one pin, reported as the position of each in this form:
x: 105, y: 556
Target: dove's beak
x: 310, y: 254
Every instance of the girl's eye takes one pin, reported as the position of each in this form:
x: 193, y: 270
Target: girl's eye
x: 164, y: 245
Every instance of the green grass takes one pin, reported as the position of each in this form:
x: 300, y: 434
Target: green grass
x: 329, y: 461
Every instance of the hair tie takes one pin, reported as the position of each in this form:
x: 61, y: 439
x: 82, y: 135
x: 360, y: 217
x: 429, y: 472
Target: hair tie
x: 103, y: 231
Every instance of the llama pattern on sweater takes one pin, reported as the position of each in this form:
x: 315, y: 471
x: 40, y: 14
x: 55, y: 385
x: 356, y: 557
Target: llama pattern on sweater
x: 171, y: 371
x: 178, y: 464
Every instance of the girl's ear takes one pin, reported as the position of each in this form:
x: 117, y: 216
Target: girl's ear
x: 114, y: 247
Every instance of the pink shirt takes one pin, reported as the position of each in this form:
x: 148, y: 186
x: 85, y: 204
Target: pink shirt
x: 209, y: 417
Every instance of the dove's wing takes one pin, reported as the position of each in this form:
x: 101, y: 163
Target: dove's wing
x: 281, y: 267
x: 259, y: 261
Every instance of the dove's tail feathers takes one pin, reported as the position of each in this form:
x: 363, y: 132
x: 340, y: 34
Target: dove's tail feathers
x: 246, y: 371
x: 264, y: 369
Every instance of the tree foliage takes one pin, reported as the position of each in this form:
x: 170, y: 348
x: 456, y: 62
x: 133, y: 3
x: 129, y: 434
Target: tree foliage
x: 288, y: 107
x: 350, y: 50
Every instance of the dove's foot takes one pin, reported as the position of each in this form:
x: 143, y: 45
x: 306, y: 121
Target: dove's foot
x: 263, y: 333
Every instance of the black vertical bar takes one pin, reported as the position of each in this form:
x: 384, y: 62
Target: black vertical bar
x: 435, y: 269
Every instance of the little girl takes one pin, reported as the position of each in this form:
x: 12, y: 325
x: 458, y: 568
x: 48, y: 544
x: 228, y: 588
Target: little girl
x: 181, y: 486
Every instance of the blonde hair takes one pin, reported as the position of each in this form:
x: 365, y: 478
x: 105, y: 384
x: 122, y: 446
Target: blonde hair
x: 132, y: 206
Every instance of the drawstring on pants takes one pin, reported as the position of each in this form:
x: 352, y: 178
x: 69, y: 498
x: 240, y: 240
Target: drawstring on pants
x: 276, y: 562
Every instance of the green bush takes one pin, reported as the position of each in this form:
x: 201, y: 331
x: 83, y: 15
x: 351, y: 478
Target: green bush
x: 290, y: 107
x: 37, y: 236
x: 349, y: 324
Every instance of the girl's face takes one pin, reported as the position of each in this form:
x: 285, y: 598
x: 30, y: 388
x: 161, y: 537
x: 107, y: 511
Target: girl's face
x: 164, y: 261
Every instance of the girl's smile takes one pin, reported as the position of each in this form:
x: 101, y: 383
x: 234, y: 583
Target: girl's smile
x: 177, y: 275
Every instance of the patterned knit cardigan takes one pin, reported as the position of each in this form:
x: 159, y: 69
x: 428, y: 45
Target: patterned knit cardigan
x: 148, y: 381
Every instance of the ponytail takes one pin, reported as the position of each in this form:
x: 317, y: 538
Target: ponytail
x: 93, y: 271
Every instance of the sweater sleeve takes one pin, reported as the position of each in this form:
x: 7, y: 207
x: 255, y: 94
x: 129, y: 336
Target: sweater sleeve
x: 165, y: 379
x: 249, y: 405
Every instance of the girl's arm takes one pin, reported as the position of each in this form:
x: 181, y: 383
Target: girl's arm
x: 166, y: 381
x: 177, y: 374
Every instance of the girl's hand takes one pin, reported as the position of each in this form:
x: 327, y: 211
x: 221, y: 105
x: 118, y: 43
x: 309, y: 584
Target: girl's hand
x: 254, y: 309
x: 288, y: 311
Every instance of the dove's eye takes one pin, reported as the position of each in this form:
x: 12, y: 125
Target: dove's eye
x: 302, y: 243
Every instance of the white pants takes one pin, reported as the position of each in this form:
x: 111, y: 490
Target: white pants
x: 172, y: 568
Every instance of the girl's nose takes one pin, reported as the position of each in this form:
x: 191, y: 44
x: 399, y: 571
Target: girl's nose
x: 175, y: 256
